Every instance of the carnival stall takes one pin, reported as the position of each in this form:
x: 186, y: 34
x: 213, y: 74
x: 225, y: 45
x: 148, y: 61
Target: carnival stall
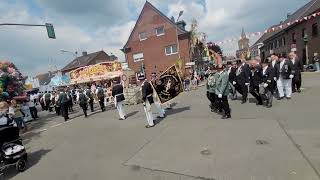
x: 95, y: 73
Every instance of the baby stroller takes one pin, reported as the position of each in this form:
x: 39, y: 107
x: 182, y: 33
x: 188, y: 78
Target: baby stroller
x: 12, y: 152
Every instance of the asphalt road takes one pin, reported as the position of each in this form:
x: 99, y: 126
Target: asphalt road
x: 281, y: 143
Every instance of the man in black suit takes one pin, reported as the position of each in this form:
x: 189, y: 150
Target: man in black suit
x: 117, y: 93
x: 147, y: 98
x: 297, y: 69
x: 242, y: 80
x: 232, y: 71
x: 64, y: 103
x: 284, y: 77
x: 255, y: 80
x: 267, y: 83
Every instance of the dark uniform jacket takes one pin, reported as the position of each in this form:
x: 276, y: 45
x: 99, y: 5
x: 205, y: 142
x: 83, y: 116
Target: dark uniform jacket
x: 147, y: 92
x: 233, y: 74
x: 297, y: 67
x: 243, y: 75
x: 63, y: 99
x: 285, y: 71
x: 256, y: 75
x: 83, y: 99
x: 268, y: 77
x: 117, y: 92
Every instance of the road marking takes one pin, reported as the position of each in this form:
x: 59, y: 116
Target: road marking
x: 43, y: 130
x: 56, y: 125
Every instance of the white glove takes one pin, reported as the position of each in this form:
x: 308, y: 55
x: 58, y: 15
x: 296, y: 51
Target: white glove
x: 291, y: 76
x: 265, y: 85
x: 234, y: 83
x: 275, y: 78
x: 144, y: 104
x: 247, y: 84
x: 220, y: 96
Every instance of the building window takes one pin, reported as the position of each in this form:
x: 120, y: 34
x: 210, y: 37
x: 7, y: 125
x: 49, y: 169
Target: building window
x: 138, y: 57
x: 283, y: 42
x: 294, y: 38
x: 172, y: 49
x: 142, y: 36
x: 315, y: 30
x: 303, y: 32
x: 160, y: 31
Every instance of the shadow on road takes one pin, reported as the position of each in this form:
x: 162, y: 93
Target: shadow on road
x: 178, y: 110
x: 132, y: 114
x: 33, y: 159
x: 171, y: 112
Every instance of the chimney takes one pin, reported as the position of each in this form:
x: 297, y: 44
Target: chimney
x: 84, y: 53
x: 172, y: 19
x: 288, y: 15
x: 182, y: 24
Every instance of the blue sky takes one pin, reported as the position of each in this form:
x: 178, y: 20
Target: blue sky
x: 93, y: 25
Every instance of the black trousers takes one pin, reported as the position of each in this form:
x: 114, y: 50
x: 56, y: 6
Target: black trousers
x: 70, y: 106
x: 91, y: 104
x: 48, y: 105
x: 212, y: 99
x: 243, y: 90
x: 33, y: 112
x: 58, y: 110
x: 224, y: 104
x: 254, y: 90
x: 101, y: 102
x: 84, y: 107
x: 296, y: 82
x: 64, y: 111
x: 268, y: 96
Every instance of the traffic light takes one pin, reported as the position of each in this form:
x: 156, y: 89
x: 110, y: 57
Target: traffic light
x: 50, y: 31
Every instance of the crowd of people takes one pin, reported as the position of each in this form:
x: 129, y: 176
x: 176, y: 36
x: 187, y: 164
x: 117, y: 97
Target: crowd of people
x: 62, y: 100
x: 277, y: 76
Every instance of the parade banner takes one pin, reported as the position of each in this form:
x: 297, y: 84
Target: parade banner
x: 168, y: 85
x: 101, y: 71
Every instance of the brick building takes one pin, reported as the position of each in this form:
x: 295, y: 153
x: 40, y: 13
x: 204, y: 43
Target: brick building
x: 156, y: 42
x: 88, y: 59
x: 282, y: 41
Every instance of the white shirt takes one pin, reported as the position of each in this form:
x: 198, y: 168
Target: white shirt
x: 281, y: 64
x: 229, y: 70
x: 31, y: 103
x: 273, y: 63
x: 293, y: 60
x: 264, y: 70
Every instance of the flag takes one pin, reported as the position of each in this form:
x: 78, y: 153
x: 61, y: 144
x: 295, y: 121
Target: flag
x: 168, y: 85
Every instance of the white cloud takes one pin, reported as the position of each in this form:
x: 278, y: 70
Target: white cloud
x: 106, y: 24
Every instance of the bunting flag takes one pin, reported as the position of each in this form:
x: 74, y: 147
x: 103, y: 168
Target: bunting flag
x: 168, y: 85
x: 272, y: 29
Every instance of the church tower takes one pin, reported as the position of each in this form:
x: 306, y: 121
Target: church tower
x: 244, y: 47
x: 243, y: 43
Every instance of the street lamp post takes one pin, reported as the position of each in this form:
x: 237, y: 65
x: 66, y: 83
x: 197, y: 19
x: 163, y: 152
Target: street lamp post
x: 74, y: 54
x: 306, y: 40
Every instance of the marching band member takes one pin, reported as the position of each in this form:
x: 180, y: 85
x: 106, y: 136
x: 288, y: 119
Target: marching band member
x: 297, y: 69
x: 242, y: 80
x: 255, y: 81
x: 267, y: 82
x: 117, y: 94
x: 211, y: 90
x: 147, y: 98
x: 284, y: 77
x: 222, y: 90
